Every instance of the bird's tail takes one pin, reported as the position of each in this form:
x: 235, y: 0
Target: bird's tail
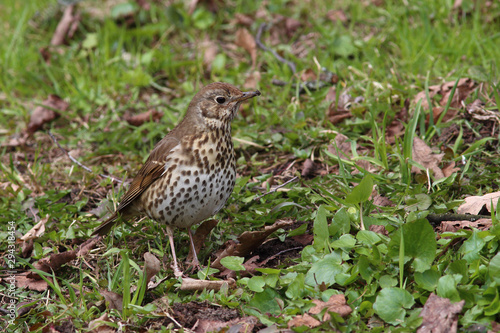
x: 106, y: 226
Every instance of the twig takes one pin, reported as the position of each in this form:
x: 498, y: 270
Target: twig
x: 276, y: 188
x: 435, y: 219
x: 275, y: 54
x: 74, y: 160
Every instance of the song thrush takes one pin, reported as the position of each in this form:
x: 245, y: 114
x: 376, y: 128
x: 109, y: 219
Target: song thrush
x: 191, y: 172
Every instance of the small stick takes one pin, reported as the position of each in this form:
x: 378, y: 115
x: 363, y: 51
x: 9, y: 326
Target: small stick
x: 277, y: 187
x: 74, y: 160
x: 275, y: 54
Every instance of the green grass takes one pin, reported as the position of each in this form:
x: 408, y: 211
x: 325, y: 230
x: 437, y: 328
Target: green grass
x: 382, y: 55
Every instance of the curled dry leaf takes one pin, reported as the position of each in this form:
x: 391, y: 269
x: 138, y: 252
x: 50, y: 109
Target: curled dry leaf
x: 248, y: 241
x: 477, y: 111
x: 308, y: 168
x: 99, y: 325
x: 424, y: 155
x: 66, y: 26
x: 201, y: 234
x: 151, y: 265
x: 454, y: 226
x: 474, y: 204
x: 440, y: 315
x: 243, y: 19
x: 45, y: 113
x: 141, y: 118
x: 37, y: 230
x: 245, y: 40
x: 379, y: 229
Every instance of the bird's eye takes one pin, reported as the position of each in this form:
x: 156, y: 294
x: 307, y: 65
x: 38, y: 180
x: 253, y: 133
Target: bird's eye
x: 220, y: 99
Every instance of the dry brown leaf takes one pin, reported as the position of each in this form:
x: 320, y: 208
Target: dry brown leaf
x: 88, y: 245
x: 424, y: 155
x: 243, y: 19
x: 37, y: 230
x: 252, y: 80
x: 209, y: 49
x: 303, y: 320
x: 45, y: 113
x: 308, y: 168
x: 336, y: 303
x: 245, y: 40
x: 68, y: 23
x: 379, y: 229
x: 23, y: 281
x: 151, y: 265
x: 141, y: 118
x: 115, y: 300
x: 308, y: 75
x: 336, y: 15
x: 440, y: 315
x: 52, y: 263
x: 477, y: 111
x: 450, y: 169
x: 245, y: 324
x: 199, y: 237
x: 454, y: 226
x: 248, y: 241
x: 474, y: 204
x: 99, y: 325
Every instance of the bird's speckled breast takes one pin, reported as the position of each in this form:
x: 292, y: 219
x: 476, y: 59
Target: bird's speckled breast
x: 199, y: 177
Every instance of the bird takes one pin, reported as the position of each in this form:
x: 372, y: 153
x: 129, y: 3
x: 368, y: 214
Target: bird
x: 191, y: 172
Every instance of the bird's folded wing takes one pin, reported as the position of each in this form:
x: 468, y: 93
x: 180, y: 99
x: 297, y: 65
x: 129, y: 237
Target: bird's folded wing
x: 152, y: 169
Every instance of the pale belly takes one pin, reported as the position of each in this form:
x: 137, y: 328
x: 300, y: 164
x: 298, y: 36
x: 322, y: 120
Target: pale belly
x: 189, y: 196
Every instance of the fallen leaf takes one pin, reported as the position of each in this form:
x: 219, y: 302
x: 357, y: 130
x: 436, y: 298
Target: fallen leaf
x: 474, y: 204
x: 440, y: 315
x: 336, y: 15
x: 115, y: 300
x: 450, y: 169
x: 141, y: 118
x: 45, y: 113
x: 303, y: 320
x: 151, y: 265
x: 308, y: 75
x: 477, y: 111
x: 252, y: 80
x: 236, y: 325
x: 379, y: 229
x: 189, y: 284
x: 308, y: 168
x: 37, y: 230
x: 243, y: 19
x: 199, y: 237
x: 66, y: 25
x: 336, y: 303
x: 23, y: 281
x: 245, y: 40
x: 248, y: 241
x: 209, y: 49
x: 52, y: 263
x: 99, y: 325
x: 424, y: 155
x: 454, y: 226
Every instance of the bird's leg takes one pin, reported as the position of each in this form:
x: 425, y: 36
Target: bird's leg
x: 194, y: 263
x: 170, y: 233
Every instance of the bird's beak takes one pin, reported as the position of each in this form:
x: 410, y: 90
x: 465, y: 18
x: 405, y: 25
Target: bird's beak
x: 246, y: 95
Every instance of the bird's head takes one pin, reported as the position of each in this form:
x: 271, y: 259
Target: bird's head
x: 216, y: 104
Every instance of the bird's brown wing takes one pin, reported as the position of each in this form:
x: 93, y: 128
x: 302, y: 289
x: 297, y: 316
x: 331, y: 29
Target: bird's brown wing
x: 152, y: 169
